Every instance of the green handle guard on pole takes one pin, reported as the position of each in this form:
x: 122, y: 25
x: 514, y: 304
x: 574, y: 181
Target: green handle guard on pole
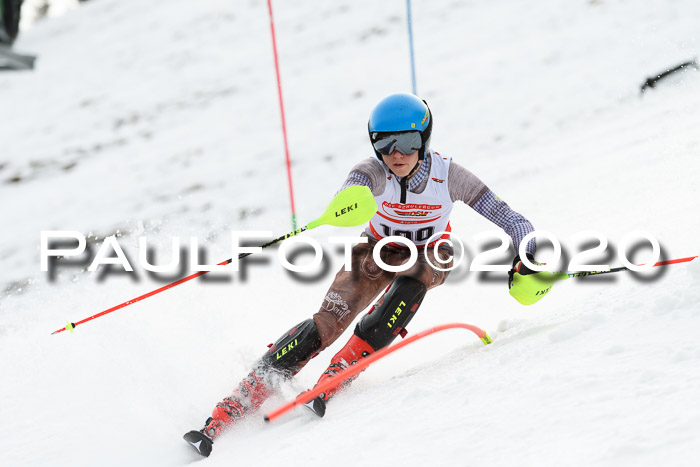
x: 529, y: 289
x: 353, y: 206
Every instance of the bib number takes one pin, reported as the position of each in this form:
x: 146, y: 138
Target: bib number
x: 420, y: 235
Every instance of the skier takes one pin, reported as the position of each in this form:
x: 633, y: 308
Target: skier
x: 415, y: 188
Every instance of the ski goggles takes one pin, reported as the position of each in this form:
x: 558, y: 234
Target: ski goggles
x: 406, y: 143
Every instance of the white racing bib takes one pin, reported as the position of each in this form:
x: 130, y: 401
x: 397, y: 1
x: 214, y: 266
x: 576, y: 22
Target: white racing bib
x: 422, y: 215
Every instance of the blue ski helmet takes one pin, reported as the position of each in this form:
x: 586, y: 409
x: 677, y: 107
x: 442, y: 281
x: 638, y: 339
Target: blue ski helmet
x: 402, y: 112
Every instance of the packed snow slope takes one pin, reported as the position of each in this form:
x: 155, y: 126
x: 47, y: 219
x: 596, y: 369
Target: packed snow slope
x: 160, y: 119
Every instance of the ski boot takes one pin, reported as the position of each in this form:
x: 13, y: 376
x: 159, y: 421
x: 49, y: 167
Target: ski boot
x: 283, y: 360
x: 354, y: 350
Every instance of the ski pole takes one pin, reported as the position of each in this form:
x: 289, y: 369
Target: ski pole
x: 353, y: 206
x: 311, y: 394
x: 567, y: 275
x: 530, y: 288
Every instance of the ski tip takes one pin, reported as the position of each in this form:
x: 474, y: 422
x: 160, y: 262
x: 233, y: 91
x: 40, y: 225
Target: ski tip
x: 486, y: 339
x: 266, y: 418
x: 317, y: 406
x: 200, y: 442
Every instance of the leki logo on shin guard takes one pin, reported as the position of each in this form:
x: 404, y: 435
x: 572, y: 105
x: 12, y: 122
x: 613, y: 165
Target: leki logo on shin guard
x: 289, y: 347
x: 396, y: 314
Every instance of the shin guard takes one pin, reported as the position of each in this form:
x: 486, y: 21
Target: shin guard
x: 399, y: 304
x: 291, y: 351
x: 376, y: 330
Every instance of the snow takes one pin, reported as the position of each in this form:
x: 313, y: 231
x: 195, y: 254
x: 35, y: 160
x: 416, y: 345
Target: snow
x: 161, y: 119
x: 36, y: 10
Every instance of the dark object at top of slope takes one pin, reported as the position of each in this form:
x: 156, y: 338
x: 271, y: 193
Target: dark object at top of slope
x: 654, y: 80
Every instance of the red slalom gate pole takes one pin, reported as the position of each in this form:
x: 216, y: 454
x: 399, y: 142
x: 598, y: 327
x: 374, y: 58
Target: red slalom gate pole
x: 309, y: 395
x: 284, y: 124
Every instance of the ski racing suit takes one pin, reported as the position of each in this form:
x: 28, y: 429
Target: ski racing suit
x: 420, y: 212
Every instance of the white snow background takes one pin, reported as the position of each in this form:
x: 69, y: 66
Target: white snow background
x: 160, y: 119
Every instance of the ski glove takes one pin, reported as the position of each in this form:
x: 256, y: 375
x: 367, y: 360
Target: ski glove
x: 528, y: 286
x: 520, y: 268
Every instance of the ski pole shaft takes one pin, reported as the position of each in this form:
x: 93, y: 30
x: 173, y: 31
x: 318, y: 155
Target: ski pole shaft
x: 568, y: 275
x: 354, y: 205
x: 70, y: 326
x: 309, y: 395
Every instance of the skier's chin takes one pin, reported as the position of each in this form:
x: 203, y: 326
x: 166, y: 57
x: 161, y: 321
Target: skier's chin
x: 400, y: 169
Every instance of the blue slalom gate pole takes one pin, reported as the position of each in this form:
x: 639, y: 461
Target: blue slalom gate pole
x: 410, y: 45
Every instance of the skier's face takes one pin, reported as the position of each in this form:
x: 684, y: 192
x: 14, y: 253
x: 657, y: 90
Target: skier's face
x: 401, y: 164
